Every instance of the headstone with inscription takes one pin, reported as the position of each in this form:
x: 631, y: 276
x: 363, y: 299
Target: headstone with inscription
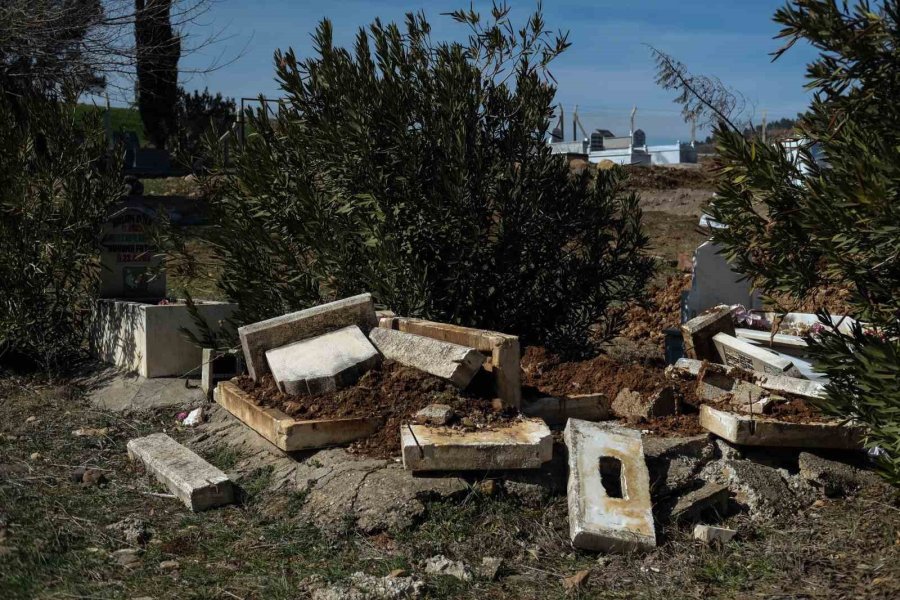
x: 130, y: 268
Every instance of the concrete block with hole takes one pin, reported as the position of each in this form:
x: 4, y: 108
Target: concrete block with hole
x: 325, y: 363
x: 193, y: 480
x: 257, y: 338
x: 453, y: 362
x: 523, y: 444
x: 609, y: 488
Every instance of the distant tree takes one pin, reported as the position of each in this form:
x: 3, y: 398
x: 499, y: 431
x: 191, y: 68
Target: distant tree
x: 796, y: 226
x: 197, y: 115
x: 158, y: 51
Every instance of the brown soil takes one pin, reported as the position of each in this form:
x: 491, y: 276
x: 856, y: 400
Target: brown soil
x: 391, y: 390
x: 663, y: 310
x: 796, y: 411
x: 671, y: 178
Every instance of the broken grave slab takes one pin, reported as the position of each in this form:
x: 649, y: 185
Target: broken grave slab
x: 735, y: 352
x: 691, y: 507
x: 458, y: 364
x: 287, y: 433
x: 324, y: 363
x: 523, y: 444
x: 609, y: 488
x: 709, y: 534
x: 752, y: 431
x: 698, y: 332
x: 635, y: 406
x: 556, y: 411
x: 193, y: 480
x: 257, y: 338
x: 780, y: 384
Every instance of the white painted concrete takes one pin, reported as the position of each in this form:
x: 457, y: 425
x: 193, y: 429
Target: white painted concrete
x: 735, y: 352
x: 453, y: 362
x: 598, y: 521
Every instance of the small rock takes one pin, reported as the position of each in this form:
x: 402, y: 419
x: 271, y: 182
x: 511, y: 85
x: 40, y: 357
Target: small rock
x: 441, y: 565
x: 490, y: 567
x: 132, y: 529
x: 168, y: 565
x: 36, y: 456
x: 576, y: 582
x: 434, y: 414
x: 93, y: 477
x: 194, y: 418
x: 360, y: 586
x: 488, y: 487
x: 127, y: 557
x: 635, y: 407
x: 398, y: 573
x: 468, y: 423
x: 91, y: 432
x: 710, y: 497
x: 31, y: 419
x: 528, y: 494
x: 77, y: 474
x: 713, y: 535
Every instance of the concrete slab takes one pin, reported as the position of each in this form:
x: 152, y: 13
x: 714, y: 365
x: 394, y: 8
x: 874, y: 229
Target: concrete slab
x: 453, y: 362
x: 259, y: 337
x: 691, y: 507
x: 744, y: 430
x: 193, y: 480
x: 735, y: 352
x: 781, y: 384
x: 116, y: 390
x: 709, y: 534
x: 765, y: 338
x: 635, y: 406
x: 556, y: 411
x: 698, y: 333
x: 324, y: 363
x: 524, y: 444
x: 609, y: 489
x: 287, y: 433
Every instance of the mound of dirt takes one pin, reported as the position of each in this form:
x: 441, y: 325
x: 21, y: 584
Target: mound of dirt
x: 663, y: 310
x: 393, y: 391
x: 670, y: 178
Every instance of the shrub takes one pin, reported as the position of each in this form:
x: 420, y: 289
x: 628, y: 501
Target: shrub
x: 199, y: 115
x: 419, y: 171
x: 57, y: 183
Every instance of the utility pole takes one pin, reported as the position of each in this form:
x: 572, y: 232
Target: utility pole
x: 562, y: 122
x: 575, y: 124
x: 633, y: 112
x: 764, y: 127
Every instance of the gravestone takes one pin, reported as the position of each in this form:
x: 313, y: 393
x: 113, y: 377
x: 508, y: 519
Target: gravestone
x: 129, y: 267
x: 715, y: 282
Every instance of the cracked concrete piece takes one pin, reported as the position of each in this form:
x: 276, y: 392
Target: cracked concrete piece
x: 691, y: 506
x: 632, y: 405
x: 556, y: 411
x: 112, y: 389
x: 743, y: 430
x: 434, y: 414
x: 763, y: 490
x: 325, y: 363
x: 736, y: 352
x: 453, y: 362
x: 698, y: 333
x: 361, y: 586
x: 193, y: 480
x: 675, y: 463
x: 780, y: 384
x: 834, y: 478
x: 523, y: 444
x: 256, y: 338
x: 441, y: 565
x: 609, y: 507
x: 709, y: 534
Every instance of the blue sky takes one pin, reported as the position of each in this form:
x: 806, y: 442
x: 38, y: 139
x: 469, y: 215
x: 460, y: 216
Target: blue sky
x: 605, y: 72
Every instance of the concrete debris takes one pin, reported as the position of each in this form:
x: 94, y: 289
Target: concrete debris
x: 556, y: 411
x: 193, y: 480
x: 735, y: 352
x: 93, y: 477
x: 609, y: 506
x: 194, y: 418
x: 361, y: 586
x: 491, y: 567
x: 168, y: 565
x: 713, y: 535
x: 833, y: 478
x: 763, y: 490
x: 453, y: 362
x: 218, y: 367
x: 127, y: 557
x: 712, y: 497
x: 259, y: 337
x: 576, y: 582
x: 441, y: 565
x: 324, y: 363
x: 91, y: 432
x: 748, y: 431
x: 132, y: 529
x: 674, y: 463
x: 434, y: 414
x: 698, y: 333
x: 636, y: 407
x: 523, y: 444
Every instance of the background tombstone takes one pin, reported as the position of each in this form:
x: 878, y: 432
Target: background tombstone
x: 130, y: 269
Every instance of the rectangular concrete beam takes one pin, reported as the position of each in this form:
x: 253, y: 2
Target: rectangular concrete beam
x: 780, y: 384
x: 739, y: 353
x: 293, y: 327
x: 193, y: 480
x: 502, y: 348
x: 287, y: 433
x: 447, y: 360
x: 525, y: 444
x: 609, y: 488
x: 747, y: 431
x: 556, y: 411
x: 698, y: 333
x: 765, y: 338
x: 324, y: 363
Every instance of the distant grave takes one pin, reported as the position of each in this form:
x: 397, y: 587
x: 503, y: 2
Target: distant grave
x: 130, y: 268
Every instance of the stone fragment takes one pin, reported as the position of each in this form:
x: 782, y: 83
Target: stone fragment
x: 750, y: 398
x: 194, y: 418
x: 523, y: 444
x: 698, y: 333
x: 749, y: 431
x: 259, y: 337
x: 761, y: 489
x: 556, y: 411
x: 91, y: 432
x: 713, y: 535
x: 132, y: 529
x: 609, y: 488
x: 490, y: 567
x: 127, y: 557
x: 735, y: 352
x: 92, y: 477
x: 324, y: 363
x: 193, y: 480
x: 675, y: 463
x: 692, y: 506
x: 779, y: 384
x: 834, y: 478
x: 634, y: 406
x: 36, y: 456
x: 361, y: 586
x: 441, y: 565
x: 168, y: 565
x: 434, y: 414
x: 576, y: 582
x: 453, y: 362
